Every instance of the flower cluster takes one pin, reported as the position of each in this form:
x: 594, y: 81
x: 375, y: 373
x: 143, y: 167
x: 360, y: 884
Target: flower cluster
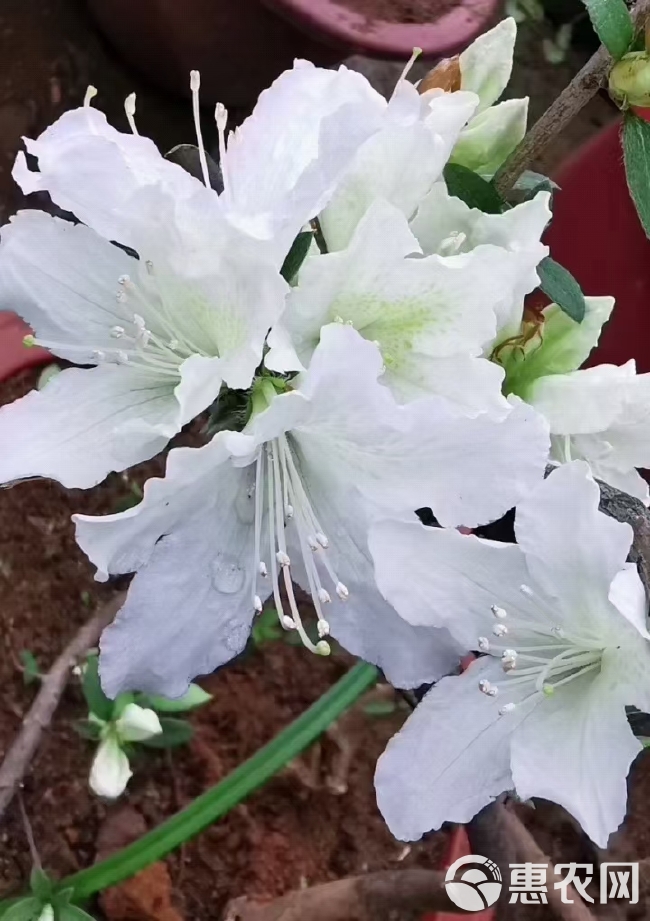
x: 370, y: 328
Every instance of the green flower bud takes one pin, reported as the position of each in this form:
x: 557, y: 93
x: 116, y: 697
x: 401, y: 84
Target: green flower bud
x: 629, y: 80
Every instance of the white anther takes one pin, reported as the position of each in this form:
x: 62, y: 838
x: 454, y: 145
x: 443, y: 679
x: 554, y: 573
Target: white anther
x: 117, y: 332
x: 485, y: 687
x: 98, y: 355
x: 508, y: 665
x: 288, y: 511
x: 338, y: 319
x: 149, y: 266
x: 323, y: 648
x: 282, y: 558
x: 483, y: 643
x: 173, y: 344
x: 322, y: 540
x: 257, y: 601
x: 138, y: 321
x: 263, y: 571
x: 526, y: 590
x: 312, y: 543
x: 509, y: 654
x: 342, y: 591
x: 120, y: 297
x: 498, y: 612
x: 499, y: 630
x: 123, y: 357
x: 288, y: 622
x: 195, y: 81
x: 124, y: 279
x: 91, y: 92
x: 558, y: 631
x: 452, y: 244
x: 323, y: 628
x: 324, y: 596
x: 221, y: 116
x: 507, y: 708
x: 129, y: 108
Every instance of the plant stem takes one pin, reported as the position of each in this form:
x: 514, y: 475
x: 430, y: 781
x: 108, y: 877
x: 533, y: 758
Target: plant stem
x: 219, y: 800
x: 571, y: 100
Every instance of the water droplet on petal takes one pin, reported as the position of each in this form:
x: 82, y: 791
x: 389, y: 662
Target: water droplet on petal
x: 236, y: 635
x: 227, y: 574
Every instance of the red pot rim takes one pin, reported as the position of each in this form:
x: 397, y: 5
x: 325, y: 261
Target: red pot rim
x: 14, y: 357
x: 338, y: 25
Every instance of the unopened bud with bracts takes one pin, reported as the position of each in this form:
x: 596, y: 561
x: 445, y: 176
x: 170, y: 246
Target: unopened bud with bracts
x: 629, y: 80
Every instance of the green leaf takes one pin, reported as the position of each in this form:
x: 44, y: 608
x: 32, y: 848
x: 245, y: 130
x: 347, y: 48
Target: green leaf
x: 31, y: 671
x: 266, y: 628
x: 87, y: 729
x: 23, y: 910
x: 98, y: 702
x: 296, y: 255
x: 472, y: 189
x: 636, y: 152
x: 613, y: 24
x: 174, y: 733
x: 193, y: 698
x: 228, y: 793
x: 562, y: 288
x: 40, y: 884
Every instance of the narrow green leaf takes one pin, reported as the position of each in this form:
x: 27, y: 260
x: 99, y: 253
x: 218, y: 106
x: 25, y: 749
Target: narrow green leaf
x: 296, y: 255
x: 73, y: 913
x: 613, y: 25
x: 472, y: 189
x: 215, y: 803
x: 636, y: 151
x: 194, y: 697
x: 23, y: 910
x: 562, y: 288
x: 40, y: 884
x: 98, y: 702
x: 174, y: 733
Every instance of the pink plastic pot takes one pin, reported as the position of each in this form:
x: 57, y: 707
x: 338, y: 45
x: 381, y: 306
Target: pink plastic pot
x: 241, y: 46
x: 342, y: 27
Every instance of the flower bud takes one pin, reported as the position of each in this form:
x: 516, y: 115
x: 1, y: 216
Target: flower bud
x: 137, y: 723
x: 445, y: 76
x: 629, y: 80
x: 110, y: 771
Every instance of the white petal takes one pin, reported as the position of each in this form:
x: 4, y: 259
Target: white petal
x: 491, y: 136
x: 283, y: 162
x: 438, y: 577
x: 110, y: 771
x: 124, y: 542
x: 576, y: 749
x: 486, y: 65
x: 398, y: 164
x: 190, y: 608
x: 93, y: 170
x: 420, y: 454
x: 85, y: 424
x: 572, y: 549
x: 473, y: 385
x: 582, y: 402
x: 137, y: 723
x: 450, y: 759
x: 62, y: 278
x: 627, y: 594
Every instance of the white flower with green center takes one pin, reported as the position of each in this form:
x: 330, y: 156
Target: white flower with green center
x: 110, y: 771
x: 599, y: 414
x: 431, y: 316
x: 561, y: 620
x: 495, y: 130
x: 290, y: 499
x: 401, y: 161
x: 445, y: 225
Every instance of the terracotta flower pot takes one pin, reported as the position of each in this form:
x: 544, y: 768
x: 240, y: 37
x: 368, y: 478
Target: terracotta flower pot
x: 241, y: 46
x: 338, y: 25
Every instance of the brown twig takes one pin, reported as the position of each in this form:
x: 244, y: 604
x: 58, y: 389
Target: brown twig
x: 373, y: 897
x: 571, y: 100
x: 497, y: 832
x: 39, y: 716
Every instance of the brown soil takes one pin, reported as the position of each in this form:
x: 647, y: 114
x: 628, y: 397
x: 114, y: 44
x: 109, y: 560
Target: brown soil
x: 402, y: 11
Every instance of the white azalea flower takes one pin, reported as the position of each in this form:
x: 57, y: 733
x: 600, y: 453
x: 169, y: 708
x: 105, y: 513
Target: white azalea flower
x: 291, y: 497
x: 561, y: 618
x: 599, y: 414
x: 430, y: 317
x: 161, y: 343
x: 495, y: 130
x: 446, y: 225
x: 110, y: 771
x: 400, y: 162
